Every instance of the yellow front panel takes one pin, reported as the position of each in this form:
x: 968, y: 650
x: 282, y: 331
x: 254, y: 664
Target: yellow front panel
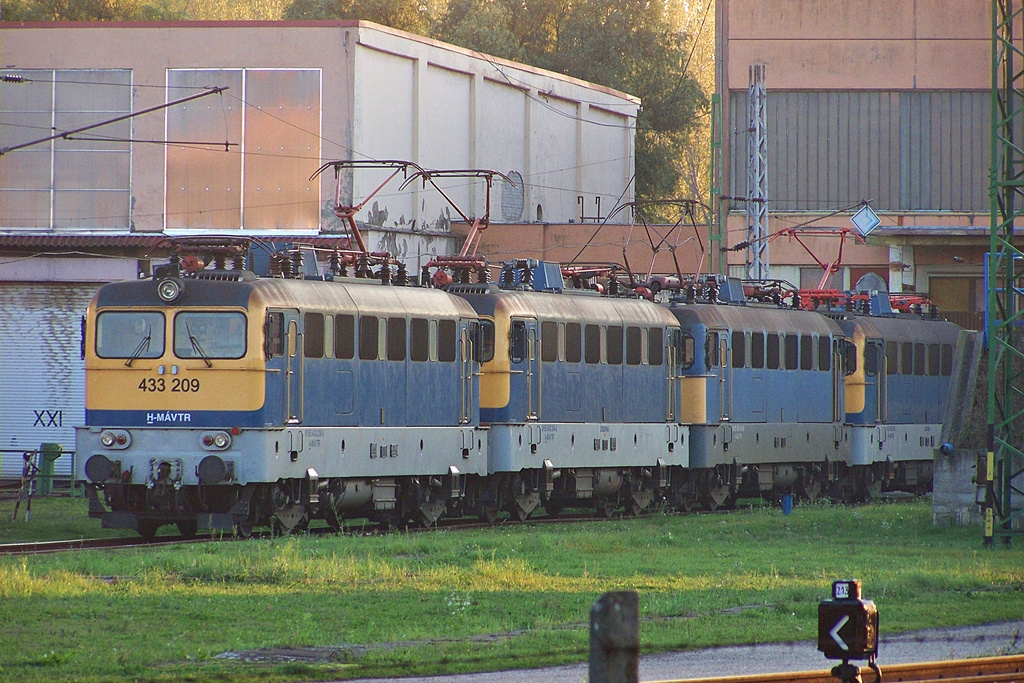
x: 693, y: 408
x: 171, y: 383
x: 495, y: 375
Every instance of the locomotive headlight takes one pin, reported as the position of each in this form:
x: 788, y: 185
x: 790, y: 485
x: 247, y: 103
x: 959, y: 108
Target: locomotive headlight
x: 215, y: 441
x: 169, y: 289
x: 115, y: 438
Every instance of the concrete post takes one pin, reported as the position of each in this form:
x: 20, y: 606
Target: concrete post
x: 615, y: 638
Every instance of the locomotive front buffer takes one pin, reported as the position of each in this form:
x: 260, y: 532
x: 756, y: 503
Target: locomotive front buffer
x: 848, y: 629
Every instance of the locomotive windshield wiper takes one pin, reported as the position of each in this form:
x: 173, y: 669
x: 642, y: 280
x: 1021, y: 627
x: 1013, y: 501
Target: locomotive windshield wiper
x: 197, y: 348
x: 141, y: 348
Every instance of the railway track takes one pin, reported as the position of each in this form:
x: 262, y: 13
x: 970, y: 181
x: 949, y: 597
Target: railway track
x: 1009, y: 669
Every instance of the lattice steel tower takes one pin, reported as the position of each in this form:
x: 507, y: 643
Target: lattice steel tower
x: 1003, y: 467
x: 757, y: 176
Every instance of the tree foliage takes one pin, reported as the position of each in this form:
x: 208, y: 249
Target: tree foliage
x: 657, y: 50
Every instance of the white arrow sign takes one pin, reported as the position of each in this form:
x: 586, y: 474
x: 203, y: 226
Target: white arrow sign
x: 835, y: 632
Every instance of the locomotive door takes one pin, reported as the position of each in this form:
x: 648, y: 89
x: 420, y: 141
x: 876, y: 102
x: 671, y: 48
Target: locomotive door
x: 720, y: 365
x: 875, y: 378
x: 295, y: 374
x: 671, y: 342
x: 525, y: 365
x: 466, y: 355
x: 283, y: 348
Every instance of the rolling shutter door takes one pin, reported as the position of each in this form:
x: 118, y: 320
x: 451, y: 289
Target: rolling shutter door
x: 42, y: 381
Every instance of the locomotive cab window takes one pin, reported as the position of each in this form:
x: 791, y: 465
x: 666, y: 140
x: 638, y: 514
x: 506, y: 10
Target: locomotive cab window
x: 824, y: 354
x: 773, y: 352
x: 485, y: 341
x: 806, y: 352
x: 273, y: 331
x: 419, y: 339
x: 791, y: 346
x: 947, y: 360
x: 757, y: 350
x: 517, y: 341
x: 209, y: 334
x: 687, y: 351
x: 135, y: 334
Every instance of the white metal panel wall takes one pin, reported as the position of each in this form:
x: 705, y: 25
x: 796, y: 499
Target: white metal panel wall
x: 607, y: 161
x: 42, y: 381
x: 503, y: 145
x: 554, y: 161
x: 385, y: 117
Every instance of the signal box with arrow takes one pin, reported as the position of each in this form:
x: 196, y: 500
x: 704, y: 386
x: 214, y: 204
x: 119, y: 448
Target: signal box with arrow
x: 847, y: 625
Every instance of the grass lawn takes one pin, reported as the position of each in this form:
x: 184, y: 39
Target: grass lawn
x: 510, y: 596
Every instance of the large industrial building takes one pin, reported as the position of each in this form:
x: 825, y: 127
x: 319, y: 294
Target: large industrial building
x: 864, y: 100
x: 270, y: 102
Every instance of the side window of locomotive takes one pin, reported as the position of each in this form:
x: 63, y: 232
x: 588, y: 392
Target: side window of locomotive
x: 825, y: 354
x: 549, y: 341
x: 849, y: 351
x: 130, y: 334
x: 792, y: 348
x: 209, y: 334
x: 710, y: 350
x: 947, y: 360
x: 369, y: 329
x: 329, y: 336
x: 933, y: 359
x: 396, y: 339
x: 739, y: 349
x: 614, y: 345
x: 772, y: 355
x: 344, y: 337
x: 892, y: 358
x: 634, y: 354
x: 806, y: 352
x: 313, y: 335
x: 757, y: 350
x: 573, y: 343
x: 592, y: 344
x: 446, y: 341
x: 273, y: 333
x: 919, y: 359
x: 419, y: 339
x: 870, y: 359
x: 906, y: 358
x: 517, y: 341
x: 485, y: 341
x: 687, y: 351
x: 655, y: 346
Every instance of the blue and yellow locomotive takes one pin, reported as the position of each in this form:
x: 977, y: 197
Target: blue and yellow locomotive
x: 217, y: 399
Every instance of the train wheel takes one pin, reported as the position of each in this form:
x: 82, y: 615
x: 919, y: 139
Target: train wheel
x: 716, y: 497
x: 147, y: 529
x: 554, y: 508
x: 605, y: 508
x: 243, y: 529
x: 188, y: 529
x: 810, y: 489
x: 291, y: 519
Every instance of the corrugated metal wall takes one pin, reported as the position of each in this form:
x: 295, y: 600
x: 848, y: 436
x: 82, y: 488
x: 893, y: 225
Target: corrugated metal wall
x: 42, y: 380
x: 902, y: 150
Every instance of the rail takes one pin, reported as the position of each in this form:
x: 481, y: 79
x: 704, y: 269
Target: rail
x: 982, y: 670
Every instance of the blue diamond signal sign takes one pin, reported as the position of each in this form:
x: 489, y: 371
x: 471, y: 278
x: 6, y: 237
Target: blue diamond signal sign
x: 865, y: 220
